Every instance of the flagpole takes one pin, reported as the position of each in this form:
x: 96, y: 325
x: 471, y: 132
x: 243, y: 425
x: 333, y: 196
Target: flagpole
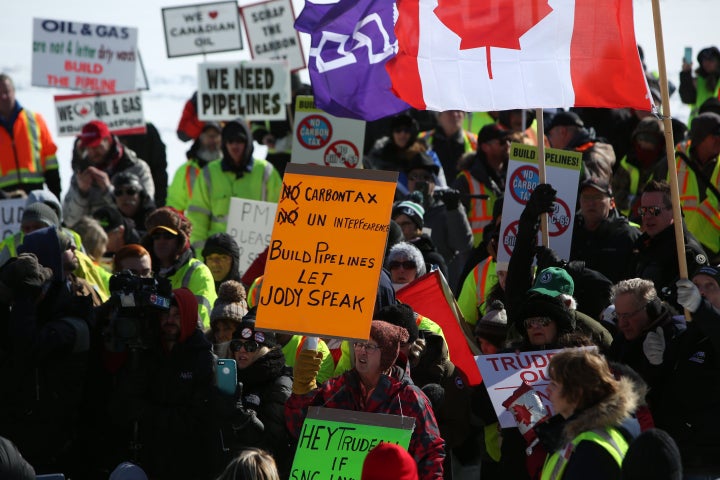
x: 670, y: 145
x: 541, y: 169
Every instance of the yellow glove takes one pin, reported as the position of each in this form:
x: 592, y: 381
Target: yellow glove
x: 307, y: 366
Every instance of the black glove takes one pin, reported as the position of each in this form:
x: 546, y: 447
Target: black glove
x: 541, y: 201
x: 24, y: 275
x: 451, y: 198
x: 546, y: 257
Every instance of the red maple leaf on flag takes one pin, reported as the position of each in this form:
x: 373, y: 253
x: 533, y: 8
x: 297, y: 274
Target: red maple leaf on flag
x: 491, y: 23
x: 522, y: 414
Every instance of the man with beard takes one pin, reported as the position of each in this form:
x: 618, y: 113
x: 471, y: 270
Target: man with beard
x: 206, y: 148
x: 98, y: 158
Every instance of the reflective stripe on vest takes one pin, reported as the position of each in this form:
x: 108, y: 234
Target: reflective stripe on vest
x: 481, y: 280
x: 702, y: 218
x: 480, y: 213
x: 610, y: 439
x: 190, y: 176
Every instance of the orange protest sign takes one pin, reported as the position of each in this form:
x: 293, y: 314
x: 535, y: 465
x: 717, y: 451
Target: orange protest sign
x: 326, y: 251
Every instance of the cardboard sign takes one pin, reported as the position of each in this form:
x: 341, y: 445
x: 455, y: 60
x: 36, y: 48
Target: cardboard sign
x: 326, y: 251
x: 84, y: 56
x: 11, y: 211
x: 122, y: 112
x: 270, y: 27
x: 333, y: 443
x: 255, y: 90
x: 562, y: 171
x: 250, y: 223
x: 505, y: 372
x: 323, y: 139
x: 202, y: 28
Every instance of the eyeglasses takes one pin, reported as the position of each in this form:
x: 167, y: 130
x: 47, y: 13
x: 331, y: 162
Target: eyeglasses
x: 119, y: 192
x: 627, y: 315
x: 654, y: 210
x: 420, y: 177
x: 163, y: 234
x: 537, y: 322
x: 250, y: 346
x: 407, y: 265
x: 369, y: 347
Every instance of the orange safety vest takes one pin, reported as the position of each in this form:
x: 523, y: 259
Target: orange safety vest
x: 30, y: 152
x: 702, y: 218
x: 480, y: 213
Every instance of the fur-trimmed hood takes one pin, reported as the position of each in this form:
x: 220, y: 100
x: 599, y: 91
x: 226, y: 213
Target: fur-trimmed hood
x: 610, y: 412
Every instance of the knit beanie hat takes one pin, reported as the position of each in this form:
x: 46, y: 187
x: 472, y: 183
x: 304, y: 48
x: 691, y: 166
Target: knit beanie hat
x: 541, y: 305
x: 246, y: 331
x: 41, y: 213
x: 493, y: 326
x: 401, y: 315
x: 712, y: 272
x: 127, y: 178
x: 653, y: 454
x: 413, y: 210
x: 388, y: 461
x: 230, y: 304
x: 170, y: 220
x: 221, y: 243
x: 128, y: 471
x: 389, y: 337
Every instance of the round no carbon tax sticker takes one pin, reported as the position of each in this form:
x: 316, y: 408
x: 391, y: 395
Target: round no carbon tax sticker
x: 522, y: 182
x: 314, y: 131
x: 559, y: 220
x: 509, y: 235
x: 342, y: 153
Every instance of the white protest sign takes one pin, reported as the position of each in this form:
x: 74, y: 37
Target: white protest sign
x: 503, y: 373
x: 562, y: 171
x: 250, y: 223
x: 255, y: 90
x: 11, y: 211
x: 270, y: 27
x: 323, y: 139
x: 122, y: 112
x: 202, y: 28
x: 84, y: 56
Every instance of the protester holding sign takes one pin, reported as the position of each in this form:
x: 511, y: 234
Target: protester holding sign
x: 590, y: 405
x: 236, y: 174
x: 371, y: 386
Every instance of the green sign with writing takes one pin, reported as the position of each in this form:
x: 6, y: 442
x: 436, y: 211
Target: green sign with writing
x: 333, y: 442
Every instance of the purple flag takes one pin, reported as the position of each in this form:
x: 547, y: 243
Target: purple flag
x: 351, y: 41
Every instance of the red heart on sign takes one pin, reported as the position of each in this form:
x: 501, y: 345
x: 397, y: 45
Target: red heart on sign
x: 213, y: 14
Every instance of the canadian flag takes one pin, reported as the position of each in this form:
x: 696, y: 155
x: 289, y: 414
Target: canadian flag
x: 484, y: 55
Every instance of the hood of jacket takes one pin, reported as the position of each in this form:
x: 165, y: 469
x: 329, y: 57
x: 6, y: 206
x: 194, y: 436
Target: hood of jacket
x: 45, y: 244
x: 227, y: 162
x: 609, y: 413
x: 188, y: 305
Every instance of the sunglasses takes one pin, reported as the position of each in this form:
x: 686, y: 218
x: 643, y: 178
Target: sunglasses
x: 537, y: 322
x: 369, y: 347
x: 164, y: 234
x: 250, y: 346
x: 655, y: 210
x: 119, y: 192
x: 407, y: 265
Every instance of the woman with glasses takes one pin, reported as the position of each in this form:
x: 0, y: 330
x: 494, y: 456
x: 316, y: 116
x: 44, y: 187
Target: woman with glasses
x: 131, y: 199
x: 372, y: 386
x: 405, y: 263
x: 255, y: 415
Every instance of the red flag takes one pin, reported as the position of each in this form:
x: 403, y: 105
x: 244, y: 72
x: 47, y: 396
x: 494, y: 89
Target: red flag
x: 503, y: 54
x: 430, y: 296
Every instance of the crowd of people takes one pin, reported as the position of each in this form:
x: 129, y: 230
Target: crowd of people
x: 119, y: 299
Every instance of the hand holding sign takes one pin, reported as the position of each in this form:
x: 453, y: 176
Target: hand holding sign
x: 527, y: 408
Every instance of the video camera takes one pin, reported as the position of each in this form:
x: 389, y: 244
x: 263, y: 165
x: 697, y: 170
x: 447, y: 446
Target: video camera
x: 138, y: 302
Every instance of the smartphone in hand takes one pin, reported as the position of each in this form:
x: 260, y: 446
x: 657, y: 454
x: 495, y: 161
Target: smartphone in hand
x: 226, y: 375
x: 688, y: 55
